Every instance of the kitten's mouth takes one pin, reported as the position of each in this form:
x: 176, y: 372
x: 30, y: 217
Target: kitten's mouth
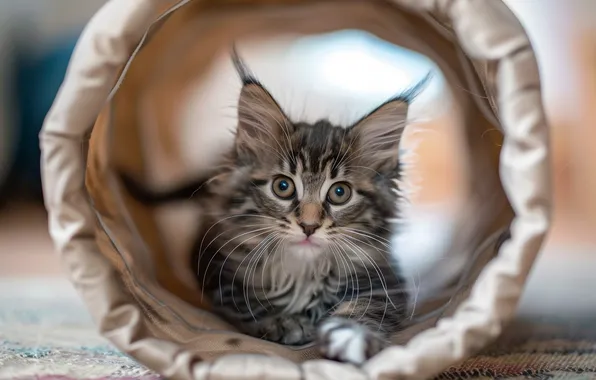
x: 308, y: 242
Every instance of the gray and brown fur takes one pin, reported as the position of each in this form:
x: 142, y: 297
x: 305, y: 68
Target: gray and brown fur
x: 351, y: 290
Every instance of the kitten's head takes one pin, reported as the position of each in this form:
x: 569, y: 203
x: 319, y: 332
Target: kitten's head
x: 316, y: 187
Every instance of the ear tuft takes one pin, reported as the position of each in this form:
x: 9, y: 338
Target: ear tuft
x: 262, y: 124
x: 246, y: 76
x: 379, y: 133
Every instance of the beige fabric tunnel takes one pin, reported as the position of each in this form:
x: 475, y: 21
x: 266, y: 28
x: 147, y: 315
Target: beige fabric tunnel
x: 110, y: 246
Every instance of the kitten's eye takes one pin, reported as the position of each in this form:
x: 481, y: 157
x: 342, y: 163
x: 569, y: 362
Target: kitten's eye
x: 339, y: 193
x: 283, y: 187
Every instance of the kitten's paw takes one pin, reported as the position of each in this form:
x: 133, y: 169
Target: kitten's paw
x: 293, y: 330
x: 347, y: 341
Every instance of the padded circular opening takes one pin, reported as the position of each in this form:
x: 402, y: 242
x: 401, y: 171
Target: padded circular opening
x: 147, y: 310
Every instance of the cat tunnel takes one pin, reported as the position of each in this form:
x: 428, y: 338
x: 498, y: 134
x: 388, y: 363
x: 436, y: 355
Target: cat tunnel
x: 110, y: 245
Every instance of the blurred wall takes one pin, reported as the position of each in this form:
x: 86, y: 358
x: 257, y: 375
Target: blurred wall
x: 36, y: 40
x: 564, y: 36
x: 42, y: 21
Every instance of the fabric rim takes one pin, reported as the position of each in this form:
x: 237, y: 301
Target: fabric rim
x: 494, y: 296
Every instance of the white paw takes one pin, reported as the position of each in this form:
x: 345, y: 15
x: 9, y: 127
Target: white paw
x: 347, y: 341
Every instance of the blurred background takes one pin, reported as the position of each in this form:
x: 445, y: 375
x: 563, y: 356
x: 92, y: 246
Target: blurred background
x: 37, y: 38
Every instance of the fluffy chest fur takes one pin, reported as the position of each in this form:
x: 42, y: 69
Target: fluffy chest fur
x: 273, y: 281
x: 295, y: 286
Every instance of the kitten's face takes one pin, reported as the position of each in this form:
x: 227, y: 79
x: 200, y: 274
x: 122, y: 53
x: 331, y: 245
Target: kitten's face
x: 315, y: 189
x: 318, y: 195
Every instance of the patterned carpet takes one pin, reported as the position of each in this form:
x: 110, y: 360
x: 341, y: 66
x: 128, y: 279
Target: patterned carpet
x: 57, y: 340
x: 536, y: 349
x: 53, y: 338
x: 46, y: 333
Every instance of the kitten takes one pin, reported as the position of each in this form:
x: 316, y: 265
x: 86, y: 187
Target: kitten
x: 296, y: 247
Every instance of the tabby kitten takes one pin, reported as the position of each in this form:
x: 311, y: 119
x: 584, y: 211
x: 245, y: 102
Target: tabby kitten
x: 296, y: 247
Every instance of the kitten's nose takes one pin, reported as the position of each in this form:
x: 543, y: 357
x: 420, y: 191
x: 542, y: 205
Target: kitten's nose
x: 309, y: 229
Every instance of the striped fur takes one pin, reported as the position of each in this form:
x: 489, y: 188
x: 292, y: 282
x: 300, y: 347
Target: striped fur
x: 256, y: 260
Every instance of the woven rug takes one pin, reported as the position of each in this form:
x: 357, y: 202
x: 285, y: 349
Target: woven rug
x: 536, y: 348
x: 52, y: 337
x: 46, y: 333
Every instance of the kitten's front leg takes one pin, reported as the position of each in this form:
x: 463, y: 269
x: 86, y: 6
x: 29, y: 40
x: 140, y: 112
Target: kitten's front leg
x: 358, y: 330
x: 252, y: 317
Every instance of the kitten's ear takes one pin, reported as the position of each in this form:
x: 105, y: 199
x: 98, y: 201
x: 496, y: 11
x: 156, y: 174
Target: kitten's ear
x: 378, y: 136
x: 379, y: 133
x: 261, y: 121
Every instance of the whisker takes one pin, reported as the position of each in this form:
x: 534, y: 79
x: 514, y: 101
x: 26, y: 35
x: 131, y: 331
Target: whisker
x: 238, y: 267
x: 228, y: 218
x: 260, y: 252
x: 272, y: 253
x: 379, y: 239
x: 353, y: 278
x: 364, y: 266
x: 228, y: 230
x: 375, y: 267
x: 228, y: 255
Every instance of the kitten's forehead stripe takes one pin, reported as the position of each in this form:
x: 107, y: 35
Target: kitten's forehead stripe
x: 320, y: 146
